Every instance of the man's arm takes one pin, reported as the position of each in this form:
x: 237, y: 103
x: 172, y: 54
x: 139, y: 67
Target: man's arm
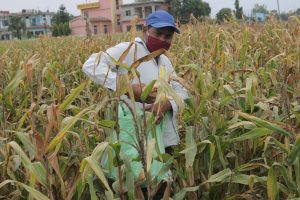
x: 98, y: 69
x: 100, y: 66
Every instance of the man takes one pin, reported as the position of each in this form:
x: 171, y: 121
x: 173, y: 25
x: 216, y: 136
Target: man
x: 158, y: 33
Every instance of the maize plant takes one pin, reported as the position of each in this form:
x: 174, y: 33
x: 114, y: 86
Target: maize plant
x: 239, y: 128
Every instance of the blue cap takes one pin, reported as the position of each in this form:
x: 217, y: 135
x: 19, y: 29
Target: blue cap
x: 159, y: 19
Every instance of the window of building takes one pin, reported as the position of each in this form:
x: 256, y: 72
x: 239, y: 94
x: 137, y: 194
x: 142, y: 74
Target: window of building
x: 139, y: 12
x: 117, y: 4
x: 128, y: 13
x: 5, y: 37
x: 105, y: 28
x: 95, y: 29
x: 39, y: 32
x: 139, y: 27
x: 5, y: 22
x: 128, y: 28
x: 118, y: 20
x: 157, y: 8
x: 33, y: 21
x: 148, y: 10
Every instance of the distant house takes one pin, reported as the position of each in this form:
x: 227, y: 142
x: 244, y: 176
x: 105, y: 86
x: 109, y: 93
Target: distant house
x: 261, y: 17
x: 36, y: 23
x: 5, y: 34
x: 142, y: 10
x: 97, y: 17
x: 107, y: 16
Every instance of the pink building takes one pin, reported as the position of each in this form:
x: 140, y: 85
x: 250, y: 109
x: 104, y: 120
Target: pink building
x: 107, y: 16
x: 142, y: 10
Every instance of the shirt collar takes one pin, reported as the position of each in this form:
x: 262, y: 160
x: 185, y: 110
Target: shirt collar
x: 139, y: 40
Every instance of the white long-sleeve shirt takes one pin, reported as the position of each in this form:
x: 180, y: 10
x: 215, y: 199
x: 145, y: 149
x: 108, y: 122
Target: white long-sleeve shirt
x: 103, y: 74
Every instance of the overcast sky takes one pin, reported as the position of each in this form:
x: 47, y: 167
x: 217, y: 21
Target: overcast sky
x: 216, y: 5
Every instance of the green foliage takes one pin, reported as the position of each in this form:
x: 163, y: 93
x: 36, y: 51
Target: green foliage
x: 260, y: 9
x: 61, y: 29
x: 225, y: 14
x: 61, y: 16
x: 60, y: 22
x: 17, y: 26
x: 238, y: 10
x: 298, y: 12
x: 182, y: 9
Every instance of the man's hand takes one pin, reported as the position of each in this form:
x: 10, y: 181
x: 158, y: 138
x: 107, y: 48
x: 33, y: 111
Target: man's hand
x: 137, y: 91
x: 159, y: 110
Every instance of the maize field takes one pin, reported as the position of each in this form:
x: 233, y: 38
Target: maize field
x: 239, y: 129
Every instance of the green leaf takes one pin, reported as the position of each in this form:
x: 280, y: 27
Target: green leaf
x: 147, y: 90
x: 219, y: 177
x: 187, y: 149
x: 278, y: 144
x: 220, y: 151
x: 253, y: 134
x: 264, y: 123
x: 181, y: 194
x: 294, y: 153
x: 36, y: 194
x: 242, y: 123
x: 165, y: 168
x: 107, y: 123
x: 150, y: 151
x: 59, y: 137
x: 229, y: 89
x: 91, y: 186
x: 190, y: 142
x: 272, y: 188
x: 95, y: 167
x: 244, y: 179
x: 73, y: 95
x: 14, y: 83
x: 249, y: 95
x: 26, y: 143
x: 36, y: 168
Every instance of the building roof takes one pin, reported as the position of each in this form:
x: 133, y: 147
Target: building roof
x: 85, y: 6
x: 92, y: 19
x: 99, y: 19
x: 76, y: 18
x: 143, y: 3
x: 4, y: 13
x: 32, y: 12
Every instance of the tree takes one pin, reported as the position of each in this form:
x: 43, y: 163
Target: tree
x: 238, y: 10
x: 284, y: 16
x: 17, y: 26
x: 298, y: 11
x: 182, y: 9
x: 66, y: 29
x: 54, y: 30
x: 225, y: 14
x: 61, y: 16
x: 60, y: 22
x: 260, y: 9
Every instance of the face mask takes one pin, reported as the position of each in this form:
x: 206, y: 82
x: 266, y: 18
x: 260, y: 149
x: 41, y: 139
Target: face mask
x: 154, y: 44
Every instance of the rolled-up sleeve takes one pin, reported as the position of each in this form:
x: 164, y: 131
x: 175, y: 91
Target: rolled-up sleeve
x: 98, y: 69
